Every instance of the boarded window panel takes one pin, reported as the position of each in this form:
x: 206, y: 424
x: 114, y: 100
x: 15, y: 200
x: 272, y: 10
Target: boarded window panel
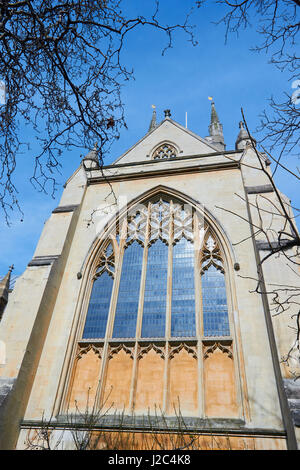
x: 215, y: 311
x: 96, y: 319
x: 129, y: 290
x: 183, y: 290
x: 118, y: 381
x: 149, y: 391
x: 155, y: 297
x: 86, y: 377
x: 183, y: 384
x: 219, y: 383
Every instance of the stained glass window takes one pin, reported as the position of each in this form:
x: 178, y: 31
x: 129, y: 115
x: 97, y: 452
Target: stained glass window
x: 153, y: 285
x: 154, y: 313
x: 148, y: 233
x: 129, y: 290
x: 183, y: 290
x: 97, y: 315
x: 215, y: 311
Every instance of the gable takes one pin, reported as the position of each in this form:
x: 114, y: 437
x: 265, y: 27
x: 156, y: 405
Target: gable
x: 184, y: 141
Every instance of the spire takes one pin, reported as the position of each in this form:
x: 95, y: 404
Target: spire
x: 153, y: 124
x: 215, y: 128
x: 214, y: 118
x: 243, y: 138
x: 91, y: 161
x: 4, y: 290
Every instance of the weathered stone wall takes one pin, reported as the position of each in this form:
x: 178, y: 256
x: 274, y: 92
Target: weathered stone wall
x: 25, y: 325
x: 44, y: 315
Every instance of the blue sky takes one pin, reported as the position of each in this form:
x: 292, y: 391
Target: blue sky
x: 182, y: 80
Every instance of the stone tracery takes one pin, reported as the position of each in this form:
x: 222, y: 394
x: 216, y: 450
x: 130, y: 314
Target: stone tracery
x: 165, y: 151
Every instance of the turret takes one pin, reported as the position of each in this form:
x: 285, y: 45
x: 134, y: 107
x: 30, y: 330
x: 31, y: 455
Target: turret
x: 243, y: 138
x: 91, y: 161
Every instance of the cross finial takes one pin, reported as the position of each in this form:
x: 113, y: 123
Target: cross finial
x: 167, y: 113
x: 11, y: 268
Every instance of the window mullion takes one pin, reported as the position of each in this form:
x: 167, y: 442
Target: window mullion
x: 166, y: 379
x: 170, y: 267
x: 86, y: 302
x: 200, y: 293
x: 115, y: 292
x: 133, y: 378
x: 168, y: 303
x: 168, y: 313
x: 197, y: 276
x: 100, y: 398
x: 198, y: 312
x: 143, y: 275
x: 140, y: 314
x: 201, y: 403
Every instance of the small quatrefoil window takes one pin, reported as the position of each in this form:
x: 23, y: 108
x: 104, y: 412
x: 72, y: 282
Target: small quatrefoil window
x: 165, y: 151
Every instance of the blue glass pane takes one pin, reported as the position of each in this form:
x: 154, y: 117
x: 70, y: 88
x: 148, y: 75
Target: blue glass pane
x: 154, y: 313
x: 183, y: 290
x: 96, y: 319
x: 215, y: 312
x: 128, y: 299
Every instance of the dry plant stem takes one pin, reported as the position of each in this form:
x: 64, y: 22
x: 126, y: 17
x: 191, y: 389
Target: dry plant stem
x: 89, y: 431
x: 63, y: 68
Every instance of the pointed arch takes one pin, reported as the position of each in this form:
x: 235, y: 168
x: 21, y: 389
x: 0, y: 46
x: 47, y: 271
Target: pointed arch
x: 166, y: 307
x: 110, y: 228
x: 165, y: 150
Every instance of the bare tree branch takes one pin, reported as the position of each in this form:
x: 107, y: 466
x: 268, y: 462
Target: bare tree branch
x: 63, y: 71
x: 278, y: 26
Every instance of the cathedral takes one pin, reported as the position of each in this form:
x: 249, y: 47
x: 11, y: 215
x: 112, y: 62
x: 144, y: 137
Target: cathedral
x: 138, y: 315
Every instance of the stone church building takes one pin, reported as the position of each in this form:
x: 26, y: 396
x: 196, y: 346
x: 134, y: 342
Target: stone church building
x: 139, y: 302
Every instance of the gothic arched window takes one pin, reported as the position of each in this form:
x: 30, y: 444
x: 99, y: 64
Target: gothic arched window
x: 164, y: 151
x: 157, y: 323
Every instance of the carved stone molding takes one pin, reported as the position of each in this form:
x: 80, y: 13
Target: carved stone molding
x: 116, y: 349
x: 160, y: 350
x: 85, y: 349
x: 69, y: 208
x: 189, y: 349
x: 43, y: 260
x: 267, y: 188
x: 224, y: 348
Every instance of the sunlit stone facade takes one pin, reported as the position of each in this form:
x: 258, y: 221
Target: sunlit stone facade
x: 137, y: 302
